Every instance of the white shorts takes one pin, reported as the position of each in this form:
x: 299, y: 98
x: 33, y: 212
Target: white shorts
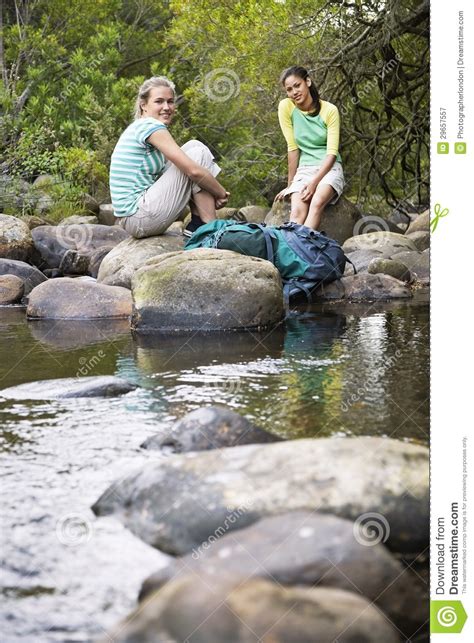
x: 334, y: 178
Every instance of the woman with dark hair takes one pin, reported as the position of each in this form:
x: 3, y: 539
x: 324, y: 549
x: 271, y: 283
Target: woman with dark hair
x: 311, y: 129
x: 152, y: 178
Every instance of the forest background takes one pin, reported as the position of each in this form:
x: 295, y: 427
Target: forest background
x: 70, y: 70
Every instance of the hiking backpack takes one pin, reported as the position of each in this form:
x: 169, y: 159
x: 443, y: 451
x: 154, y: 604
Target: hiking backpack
x: 305, y: 258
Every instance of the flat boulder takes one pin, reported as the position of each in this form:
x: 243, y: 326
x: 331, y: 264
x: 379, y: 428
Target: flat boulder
x: 239, y: 610
x: 346, y: 477
x: 11, y: 289
x: 211, y: 427
x: 390, y: 267
x: 338, y: 221
x: 15, y: 239
x: 206, y: 289
x: 388, y: 243
x: 97, y: 386
x: 361, y: 260
x: 67, y: 298
x: 121, y: 263
x: 52, y: 242
x: 364, y: 287
x: 309, y: 548
x: 79, y: 219
x: 418, y: 263
x: 30, y: 275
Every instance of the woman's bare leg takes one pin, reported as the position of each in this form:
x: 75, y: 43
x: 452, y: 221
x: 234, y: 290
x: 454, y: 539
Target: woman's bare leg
x: 323, y: 195
x: 299, y: 209
x: 203, y: 205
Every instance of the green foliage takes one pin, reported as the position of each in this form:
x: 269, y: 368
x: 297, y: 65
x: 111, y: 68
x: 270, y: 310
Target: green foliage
x: 72, y: 70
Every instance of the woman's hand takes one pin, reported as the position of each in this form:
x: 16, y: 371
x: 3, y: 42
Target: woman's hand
x: 308, y: 191
x: 281, y: 195
x: 220, y: 203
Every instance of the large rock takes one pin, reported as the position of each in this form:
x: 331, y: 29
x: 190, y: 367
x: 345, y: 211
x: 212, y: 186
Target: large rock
x: 337, y: 222
x: 390, y: 267
x: 421, y: 239
x: 347, y: 477
x: 52, y: 242
x: 364, y: 287
x: 128, y: 256
x: 30, y: 275
x: 206, y: 289
x: 15, y: 239
x: 308, y: 548
x: 97, y: 386
x: 420, y: 224
x: 361, y: 259
x: 418, y: 263
x: 11, y: 289
x: 388, y: 243
x: 67, y: 298
x: 254, y: 213
x: 211, y: 427
x: 106, y: 214
x: 242, y: 610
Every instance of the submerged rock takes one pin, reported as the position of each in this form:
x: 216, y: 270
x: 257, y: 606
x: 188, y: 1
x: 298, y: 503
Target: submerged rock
x: 337, y: 222
x: 67, y: 298
x: 99, y: 386
x: 364, y: 287
x: 121, y: 263
x: 11, y: 289
x: 206, y: 289
x: 15, y: 239
x: 239, y: 610
x: 209, y: 428
x: 308, y: 548
x: 346, y: 477
x: 30, y: 275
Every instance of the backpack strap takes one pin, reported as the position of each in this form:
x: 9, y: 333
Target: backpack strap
x: 349, y: 261
x: 268, y: 235
x: 296, y: 284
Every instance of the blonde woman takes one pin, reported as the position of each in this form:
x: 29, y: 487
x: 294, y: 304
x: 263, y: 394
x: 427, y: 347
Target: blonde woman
x: 152, y: 178
x: 311, y: 129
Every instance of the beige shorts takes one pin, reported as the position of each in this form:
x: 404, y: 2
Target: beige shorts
x: 334, y: 178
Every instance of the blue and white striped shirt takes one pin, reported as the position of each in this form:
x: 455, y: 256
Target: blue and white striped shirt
x: 134, y: 166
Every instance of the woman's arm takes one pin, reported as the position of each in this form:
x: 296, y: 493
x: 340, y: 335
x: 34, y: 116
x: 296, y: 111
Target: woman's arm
x: 165, y: 143
x: 293, y: 158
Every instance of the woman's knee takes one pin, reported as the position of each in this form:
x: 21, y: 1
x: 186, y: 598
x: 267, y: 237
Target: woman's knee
x: 197, y: 151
